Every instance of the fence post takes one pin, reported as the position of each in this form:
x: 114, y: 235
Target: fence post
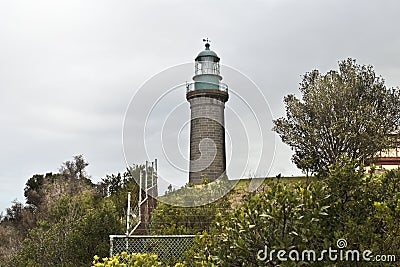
x: 111, y: 246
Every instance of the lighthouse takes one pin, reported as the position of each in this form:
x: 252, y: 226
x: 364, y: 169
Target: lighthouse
x: 207, y: 96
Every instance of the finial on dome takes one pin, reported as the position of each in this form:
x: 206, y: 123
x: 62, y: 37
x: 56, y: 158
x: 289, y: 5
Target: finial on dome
x: 207, y: 43
x: 207, y: 54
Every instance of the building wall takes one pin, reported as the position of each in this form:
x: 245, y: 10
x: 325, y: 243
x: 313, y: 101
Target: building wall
x: 387, y: 159
x: 207, y: 139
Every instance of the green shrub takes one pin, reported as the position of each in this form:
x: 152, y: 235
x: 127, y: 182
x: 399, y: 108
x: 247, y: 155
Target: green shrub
x: 286, y: 216
x: 363, y: 209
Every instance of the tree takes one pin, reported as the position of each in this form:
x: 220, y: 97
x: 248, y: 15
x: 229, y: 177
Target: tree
x: 67, y: 219
x: 32, y: 191
x: 117, y: 186
x: 75, y: 169
x: 343, y: 114
x: 42, y: 191
x: 286, y: 216
x: 12, y: 231
x: 10, y: 243
x: 76, y: 228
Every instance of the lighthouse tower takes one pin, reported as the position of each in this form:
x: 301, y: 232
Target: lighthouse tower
x: 207, y: 97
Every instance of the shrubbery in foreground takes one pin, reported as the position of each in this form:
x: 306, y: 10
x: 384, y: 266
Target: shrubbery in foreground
x: 129, y: 260
x: 363, y: 209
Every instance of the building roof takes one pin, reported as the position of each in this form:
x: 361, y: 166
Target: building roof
x: 207, y: 53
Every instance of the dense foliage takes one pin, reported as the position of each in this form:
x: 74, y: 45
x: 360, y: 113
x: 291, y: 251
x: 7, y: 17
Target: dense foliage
x: 127, y: 260
x: 130, y: 260
x: 342, y: 114
x: 363, y: 209
x: 346, y: 203
x: 76, y: 228
x: 285, y: 215
x: 66, y: 219
x: 191, y: 209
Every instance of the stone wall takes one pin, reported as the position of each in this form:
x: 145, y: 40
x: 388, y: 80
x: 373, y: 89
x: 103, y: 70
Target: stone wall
x: 207, y: 137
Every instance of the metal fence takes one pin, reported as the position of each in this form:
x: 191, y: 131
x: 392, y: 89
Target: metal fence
x: 167, y: 247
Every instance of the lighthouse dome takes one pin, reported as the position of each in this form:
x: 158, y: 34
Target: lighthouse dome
x: 207, y: 55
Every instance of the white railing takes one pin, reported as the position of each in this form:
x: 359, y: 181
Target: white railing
x: 148, y: 186
x: 221, y: 86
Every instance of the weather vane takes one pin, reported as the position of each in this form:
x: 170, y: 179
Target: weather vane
x: 206, y: 40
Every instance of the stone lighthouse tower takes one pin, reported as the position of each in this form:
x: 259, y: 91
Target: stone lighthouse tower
x: 207, y: 97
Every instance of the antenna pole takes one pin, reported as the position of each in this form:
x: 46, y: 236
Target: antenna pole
x: 128, y: 213
x: 140, y: 188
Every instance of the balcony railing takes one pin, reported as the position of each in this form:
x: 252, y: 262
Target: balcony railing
x: 220, y: 87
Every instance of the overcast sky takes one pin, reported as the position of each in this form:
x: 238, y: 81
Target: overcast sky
x: 69, y: 69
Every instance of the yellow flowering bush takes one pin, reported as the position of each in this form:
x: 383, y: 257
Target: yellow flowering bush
x: 129, y: 260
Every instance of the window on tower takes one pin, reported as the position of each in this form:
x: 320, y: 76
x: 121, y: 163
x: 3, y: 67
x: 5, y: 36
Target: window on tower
x: 207, y: 67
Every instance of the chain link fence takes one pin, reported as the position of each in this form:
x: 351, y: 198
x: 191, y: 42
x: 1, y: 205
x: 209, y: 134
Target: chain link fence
x: 168, y: 248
